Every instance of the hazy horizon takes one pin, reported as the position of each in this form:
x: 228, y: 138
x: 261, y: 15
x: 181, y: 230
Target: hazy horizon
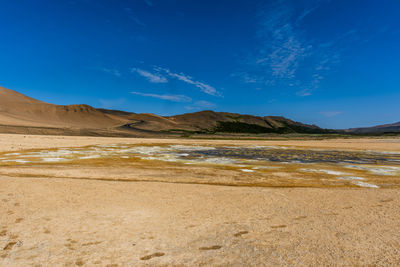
x: 329, y: 63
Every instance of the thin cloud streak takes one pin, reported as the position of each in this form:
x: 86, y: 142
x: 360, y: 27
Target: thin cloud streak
x: 135, y: 19
x: 114, y: 72
x: 159, y: 76
x: 304, y: 92
x: 205, y: 88
x: 173, y: 98
x: 151, y: 77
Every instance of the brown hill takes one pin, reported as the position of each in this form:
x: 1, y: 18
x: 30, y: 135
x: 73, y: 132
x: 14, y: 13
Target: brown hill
x: 380, y: 129
x: 210, y: 121
x: 19, y: 110
x: 21, y: 113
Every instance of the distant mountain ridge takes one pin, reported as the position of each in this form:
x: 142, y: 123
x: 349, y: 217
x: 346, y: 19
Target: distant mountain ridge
x: 379, y: 129
x: 19, y: 113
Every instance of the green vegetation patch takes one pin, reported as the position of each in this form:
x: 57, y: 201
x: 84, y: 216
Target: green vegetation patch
x: 241, y: 127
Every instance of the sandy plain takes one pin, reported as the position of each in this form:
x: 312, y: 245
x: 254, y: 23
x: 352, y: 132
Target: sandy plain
x: 73, y: 221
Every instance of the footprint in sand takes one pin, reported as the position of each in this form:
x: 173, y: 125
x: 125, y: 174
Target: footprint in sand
x: 13, y: 236
x: 10, y: 245
x: 148, y: 257
x: 279, y: 226
x: 211, y: 248
x: 240, y: 233
x: 70, y: 245
x: 340, y: 234
x: 3, y: 232
x: 79, y: 262
x: 386, y: 200
x: 91, y: 243
x: 19, y: 220
x: 300, y: 217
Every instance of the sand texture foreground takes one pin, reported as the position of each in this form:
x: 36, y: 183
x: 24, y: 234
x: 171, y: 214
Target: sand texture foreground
x: 86, y: 222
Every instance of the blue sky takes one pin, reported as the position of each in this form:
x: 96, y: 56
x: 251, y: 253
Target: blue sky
x: 332, y: 63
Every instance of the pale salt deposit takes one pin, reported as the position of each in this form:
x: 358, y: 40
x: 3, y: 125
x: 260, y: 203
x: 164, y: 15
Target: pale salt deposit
x: 265, y: 167
x: 191, y: 148
x: 53, y: 159
x: 323, y: 171
x: 363, y: 184
x: 12, y: 154
x: 380, y: 170
x: 351, y: 178
x: 225, y: 161
x: 90, y: 157
x: 234, y: 156
x: 17, y: 160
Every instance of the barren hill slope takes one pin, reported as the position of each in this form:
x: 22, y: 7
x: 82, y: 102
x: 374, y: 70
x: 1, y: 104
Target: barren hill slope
x: 18, y: 110
x: 384, y: 128
x: 232, y: 122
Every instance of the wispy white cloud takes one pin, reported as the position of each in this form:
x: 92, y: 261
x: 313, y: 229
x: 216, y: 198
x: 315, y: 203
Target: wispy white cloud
x: 286, y: 56
x: 205, y: 88
x: 313, y: 5
x: 159, y: 75
x: 114, y: 72
x: 330, y: 113
x: 133, y: 17
x: 152, y: 77
x: 202, y: 104
x: 282, y: 45
x: 304, y: 92
x: 174, y: 98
